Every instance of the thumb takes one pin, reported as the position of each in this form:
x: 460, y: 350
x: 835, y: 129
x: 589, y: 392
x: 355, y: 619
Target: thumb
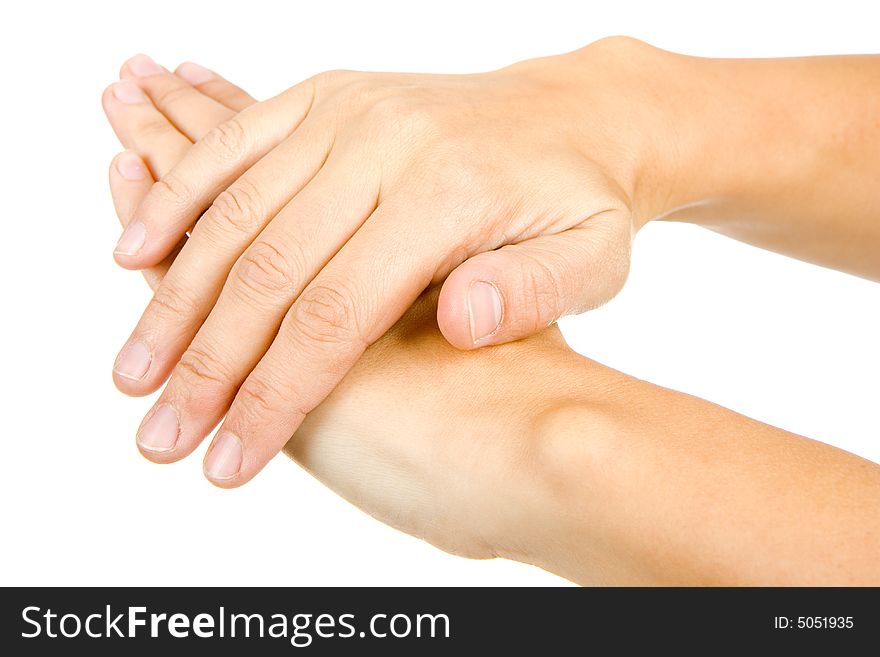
x: 520, y: 289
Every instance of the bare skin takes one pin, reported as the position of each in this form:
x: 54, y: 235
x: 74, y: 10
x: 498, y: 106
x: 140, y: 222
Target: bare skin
x: 331, y: 207
x: 543, y: 456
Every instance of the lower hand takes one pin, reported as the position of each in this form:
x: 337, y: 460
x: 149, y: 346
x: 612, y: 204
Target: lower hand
x: 157, y: 122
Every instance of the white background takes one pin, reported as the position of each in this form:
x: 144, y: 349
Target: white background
x: 785, y: 342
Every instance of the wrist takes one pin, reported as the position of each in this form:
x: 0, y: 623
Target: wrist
x: 739, y: 143
x: 615, y: 105
x: 509, y: 493
x: 578, y: 423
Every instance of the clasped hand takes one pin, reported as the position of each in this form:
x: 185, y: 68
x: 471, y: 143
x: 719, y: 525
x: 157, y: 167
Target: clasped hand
x: 316, y: 218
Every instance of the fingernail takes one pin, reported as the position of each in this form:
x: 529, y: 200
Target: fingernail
x: 159, y: 433
x: 484, y: 308
x: 142, y: 66
x: 224, y: 458
x: 194, y: 74
x: 134, y: 361
x: 131, y: 167
x: 128, y: 92
x: 133, y: 238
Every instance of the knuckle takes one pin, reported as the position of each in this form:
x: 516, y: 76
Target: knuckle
x: 150, y: 129
x: 359, y: 92
x: 227, y: 140
x: 388, y: 105
x: 171, y: 302
x: 617, y: 45
x: 458, y: 174
x: 265, y: 268
x: 172, y: 189
x: 239, y: 208
x: 260, y: 396
x: 170, y: 95
x: 200, y: 365
x: 324, y: 78
x: 332, y: 78
x: 420, y: 118
x: 324, y: 314
x: 546, y: 296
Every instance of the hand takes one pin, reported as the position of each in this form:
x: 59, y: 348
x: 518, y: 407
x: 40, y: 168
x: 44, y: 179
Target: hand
x: 338, y: 202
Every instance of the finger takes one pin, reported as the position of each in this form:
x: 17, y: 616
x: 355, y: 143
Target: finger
x: 358, y: 296
x: 210, y: 166
x: 193, y: 283
x: 264, y: 283
x: 193, y: 113
x: 504, y: 295
x: 130, y: 180
x: 142, y: 128
x: 213, y: 86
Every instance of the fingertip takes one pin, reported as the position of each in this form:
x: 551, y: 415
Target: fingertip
x: 162, y: 456
x: 136, y: 371
x: 485, y: 311
x: 194, y: 73
x: 225, y: 484
x: 452, y: 312
x: 125, y: 72
x: 129, y: 248
x: 471, y: 310
x: 157, y: 457
x: 129, y: 166
x: 140, y: 247
x: 126, y: 92
x: 139, y: 66
x: 115, y: 160
x: 137, y: 379
x: 159, y: 433
x: 125, y: 68
x: 132, y: 387
x: 107, y: 97
x: 137, y: 261
x: 223, y: 461
x: 124, y: 262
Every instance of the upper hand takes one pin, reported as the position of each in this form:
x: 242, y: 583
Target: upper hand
x: 331, y: 207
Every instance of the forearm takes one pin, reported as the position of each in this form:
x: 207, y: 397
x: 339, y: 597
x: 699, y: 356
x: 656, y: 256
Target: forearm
x: 781, y: 153
x: 648, y: 486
